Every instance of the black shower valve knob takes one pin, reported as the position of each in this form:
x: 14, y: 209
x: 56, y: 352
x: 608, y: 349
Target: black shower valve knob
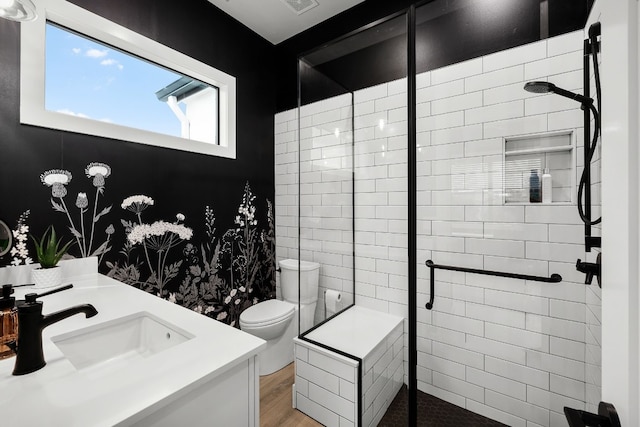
x: 591, y: 269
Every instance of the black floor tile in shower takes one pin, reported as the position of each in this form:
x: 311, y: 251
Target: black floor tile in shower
x: 433, y: 412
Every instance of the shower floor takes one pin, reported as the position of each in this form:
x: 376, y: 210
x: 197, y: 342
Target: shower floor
x: 433, y: 412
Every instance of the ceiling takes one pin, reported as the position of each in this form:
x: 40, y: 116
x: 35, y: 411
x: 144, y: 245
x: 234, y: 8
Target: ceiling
x: 275, y: 20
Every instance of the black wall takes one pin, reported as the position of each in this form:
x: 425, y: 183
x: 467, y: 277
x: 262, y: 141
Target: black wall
x: 448, y: 31
x: 179, y: 182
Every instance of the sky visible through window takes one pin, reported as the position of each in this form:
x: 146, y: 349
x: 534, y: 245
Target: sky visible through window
x: 88, y: 79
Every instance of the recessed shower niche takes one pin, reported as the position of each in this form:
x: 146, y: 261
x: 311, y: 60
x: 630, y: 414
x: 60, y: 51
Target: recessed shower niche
x: 550, y: 152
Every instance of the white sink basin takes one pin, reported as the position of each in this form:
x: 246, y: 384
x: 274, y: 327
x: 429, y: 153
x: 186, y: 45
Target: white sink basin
x: 122, y: 340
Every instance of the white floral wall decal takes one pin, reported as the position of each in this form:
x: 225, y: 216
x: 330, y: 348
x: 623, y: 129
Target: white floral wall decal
x: 83, y: 232
x: 218, y: 273
x: 19, y: 251
x: 157, y: 239
x: 226, y: 276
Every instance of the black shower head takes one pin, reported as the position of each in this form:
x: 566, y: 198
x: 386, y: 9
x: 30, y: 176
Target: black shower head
x: 539, y: 87
x: 546, y: 87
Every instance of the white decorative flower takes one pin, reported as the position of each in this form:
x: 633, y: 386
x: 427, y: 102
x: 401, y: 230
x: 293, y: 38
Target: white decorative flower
x: 209, y: 309
x: 227, y: 300
x: 19, y: 250
x: 247, y: 211
x: 82, y: 201
x: 180, y: 217
x: 97, y: 168
x: 221, y: 316
x: 198, y: 309
x: 98, y: 171
x: 54, y: 176
x: 21, y: 234
x: 233, y: 292
x: 137, y: 203
x: 159, y: 228
x: 242, y: 289
x: 237, y: 302
x: 56, y: 179
x: 172, y: 297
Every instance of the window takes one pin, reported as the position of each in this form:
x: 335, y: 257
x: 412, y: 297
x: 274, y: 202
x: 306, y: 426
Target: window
x: 83, y: 73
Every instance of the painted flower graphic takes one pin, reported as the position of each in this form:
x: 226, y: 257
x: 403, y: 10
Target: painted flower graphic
x: 81, y: 201
x: 98, y: 171
x: 219, y: 276
x: 137, y: 204
x: 56, y: 179
x: 84, y: 231
x: 19, y: 251
x: 142, y: 232
x: 160, y: 237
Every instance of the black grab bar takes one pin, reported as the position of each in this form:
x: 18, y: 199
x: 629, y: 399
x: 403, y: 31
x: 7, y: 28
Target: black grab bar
x: 554, y: 278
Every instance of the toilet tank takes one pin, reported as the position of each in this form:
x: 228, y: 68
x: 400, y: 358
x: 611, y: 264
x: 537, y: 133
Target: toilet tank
x: 309, y: 274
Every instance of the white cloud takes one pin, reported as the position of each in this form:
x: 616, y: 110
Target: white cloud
x: 76, y: 50
x: 71, y: 113
x: 107, y: 62
x: 96, y: 53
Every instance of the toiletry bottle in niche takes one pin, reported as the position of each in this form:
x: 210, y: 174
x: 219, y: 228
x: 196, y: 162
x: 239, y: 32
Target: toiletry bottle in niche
x: 547, y: 189
x: 8, y: 323
x: 535, y: 195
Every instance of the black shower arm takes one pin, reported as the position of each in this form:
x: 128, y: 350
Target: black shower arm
x: 554, y: 278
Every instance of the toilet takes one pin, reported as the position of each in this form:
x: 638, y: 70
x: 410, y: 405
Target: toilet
x: 276, y: 321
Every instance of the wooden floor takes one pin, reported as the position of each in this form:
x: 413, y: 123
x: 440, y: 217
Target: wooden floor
x: 275, y: 401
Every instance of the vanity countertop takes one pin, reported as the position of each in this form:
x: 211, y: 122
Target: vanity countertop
x: 61, y: 395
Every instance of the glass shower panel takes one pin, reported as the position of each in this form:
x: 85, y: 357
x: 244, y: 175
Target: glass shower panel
x: 510, y: 349
x: 353, y: 132
x: 353, y: 200
x: 326, y: 189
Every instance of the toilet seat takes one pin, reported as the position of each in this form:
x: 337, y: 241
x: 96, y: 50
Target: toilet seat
x: 267, y: 313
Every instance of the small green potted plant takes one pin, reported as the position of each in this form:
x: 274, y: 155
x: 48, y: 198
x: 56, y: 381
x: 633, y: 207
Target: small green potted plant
x: 49, y: 251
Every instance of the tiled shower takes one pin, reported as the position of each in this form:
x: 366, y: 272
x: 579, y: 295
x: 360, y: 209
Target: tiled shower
x: 512, y: 350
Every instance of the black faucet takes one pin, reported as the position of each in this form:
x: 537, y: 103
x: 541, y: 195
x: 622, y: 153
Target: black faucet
x: 590, y: 269
x: 31, y: 322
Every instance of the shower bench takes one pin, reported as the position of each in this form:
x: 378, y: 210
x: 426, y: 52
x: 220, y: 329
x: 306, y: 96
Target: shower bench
x: 349, y: 369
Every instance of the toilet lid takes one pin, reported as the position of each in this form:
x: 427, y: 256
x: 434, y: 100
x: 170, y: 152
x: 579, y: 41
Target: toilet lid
x: 292, y: 264
x: 267, y: 312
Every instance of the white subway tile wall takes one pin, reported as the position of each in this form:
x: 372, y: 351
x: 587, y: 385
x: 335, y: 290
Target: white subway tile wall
x: 511, y: 350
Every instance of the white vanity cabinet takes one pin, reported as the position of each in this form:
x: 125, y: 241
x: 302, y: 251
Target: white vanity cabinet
x: 208, y: 379
x: 231, y: 399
